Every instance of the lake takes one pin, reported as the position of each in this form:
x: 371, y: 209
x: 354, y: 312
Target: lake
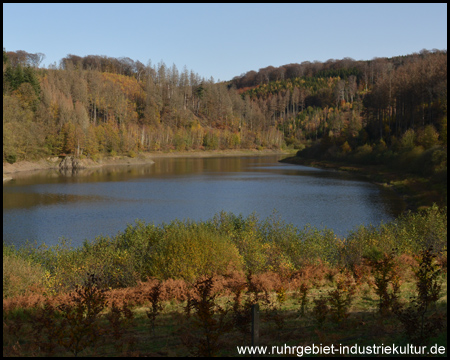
x: 43, y: 206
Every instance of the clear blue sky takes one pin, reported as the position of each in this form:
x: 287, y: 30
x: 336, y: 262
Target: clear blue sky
x: 224, y: 40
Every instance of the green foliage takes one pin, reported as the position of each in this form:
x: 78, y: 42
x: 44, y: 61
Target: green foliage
x: 138, y: 241
x: 11, y: 158
x: 408, y: 139
x: 96, y: 104
x: 249, y: 243
x: 189, y: 250
x: 346, y: 148
x: 408, y: 235
x: 211, y: 141
x: 241, y: 316
x: 79, y: 326
x: 68, y: 267
x: 428, y: 286
x: 20, y: 134
x: 363, y: 154
x: 428, y: 137
x: 15, y: 77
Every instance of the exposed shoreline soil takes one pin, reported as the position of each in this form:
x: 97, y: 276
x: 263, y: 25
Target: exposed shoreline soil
x: 142, y: 158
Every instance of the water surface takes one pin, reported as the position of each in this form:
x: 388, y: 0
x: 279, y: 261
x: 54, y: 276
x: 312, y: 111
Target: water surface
x: 45, y: 205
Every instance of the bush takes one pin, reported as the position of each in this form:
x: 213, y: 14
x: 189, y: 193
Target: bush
x: 431, y: 161
x: 211, y: 141
x: 410, y: 160
x: 408, y: 235
x: 11, y: 158
x: 20, y: 275
x: 363, y: 154
x: 114, y: 265
x: 428, y: 137
x: 346, y: 148
x: 408, y: 139
x: 189, y: 250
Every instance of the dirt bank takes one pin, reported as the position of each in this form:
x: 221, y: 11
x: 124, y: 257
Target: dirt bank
x: 53, y: 163
x: 143, y: 158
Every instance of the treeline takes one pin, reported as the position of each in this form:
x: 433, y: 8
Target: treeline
x: 85, y: 110
x: 96, y: 105
x: 356, y: 101
x: 364, y: 70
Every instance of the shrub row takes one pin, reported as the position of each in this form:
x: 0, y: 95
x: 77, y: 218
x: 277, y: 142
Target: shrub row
x: 227, y: 242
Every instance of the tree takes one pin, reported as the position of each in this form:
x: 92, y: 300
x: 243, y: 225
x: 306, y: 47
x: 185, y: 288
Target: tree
x: 352, y: 87
x: 339, y: 92
x: 428, y: 137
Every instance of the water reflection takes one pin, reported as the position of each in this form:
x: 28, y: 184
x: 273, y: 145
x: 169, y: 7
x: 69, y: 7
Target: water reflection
x: 46, y: 205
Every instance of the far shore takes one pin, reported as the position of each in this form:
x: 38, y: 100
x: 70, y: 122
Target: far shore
x: 415, y: 193
x: 141, y: 159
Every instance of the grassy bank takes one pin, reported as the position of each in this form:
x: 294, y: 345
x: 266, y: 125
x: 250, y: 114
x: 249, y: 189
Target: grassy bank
x: 312, y: 286
x: 142, y: 324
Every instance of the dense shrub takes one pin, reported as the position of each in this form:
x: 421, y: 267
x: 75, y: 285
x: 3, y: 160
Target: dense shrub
x: 227, y: 242
x: 428, y: 137
x: 11, y: 158
x: 408, y: 235
x: 20, y: 275
x: 189, y: 250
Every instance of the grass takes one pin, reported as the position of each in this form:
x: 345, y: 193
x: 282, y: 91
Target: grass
x: 363, y: 326
x: 268, y: 260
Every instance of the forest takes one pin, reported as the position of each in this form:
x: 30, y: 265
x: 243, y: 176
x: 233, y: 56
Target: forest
x: 185, y: 288
x: 95, y: 105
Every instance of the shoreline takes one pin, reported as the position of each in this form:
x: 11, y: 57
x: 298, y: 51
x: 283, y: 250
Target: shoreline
x: 404, y: 186
x: 141, y: 159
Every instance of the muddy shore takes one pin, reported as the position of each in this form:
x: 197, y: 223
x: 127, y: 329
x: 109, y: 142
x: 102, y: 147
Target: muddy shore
x: 142, y: 158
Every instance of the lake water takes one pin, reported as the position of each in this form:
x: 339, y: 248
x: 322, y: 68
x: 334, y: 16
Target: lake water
x: 45, y: 205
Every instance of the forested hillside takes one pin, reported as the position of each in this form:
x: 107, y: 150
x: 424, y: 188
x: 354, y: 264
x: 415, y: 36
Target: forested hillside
x: 385, y: 118
x: 96, y: 105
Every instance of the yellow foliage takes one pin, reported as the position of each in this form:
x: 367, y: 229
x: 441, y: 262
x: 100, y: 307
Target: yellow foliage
x: 346, y: 148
